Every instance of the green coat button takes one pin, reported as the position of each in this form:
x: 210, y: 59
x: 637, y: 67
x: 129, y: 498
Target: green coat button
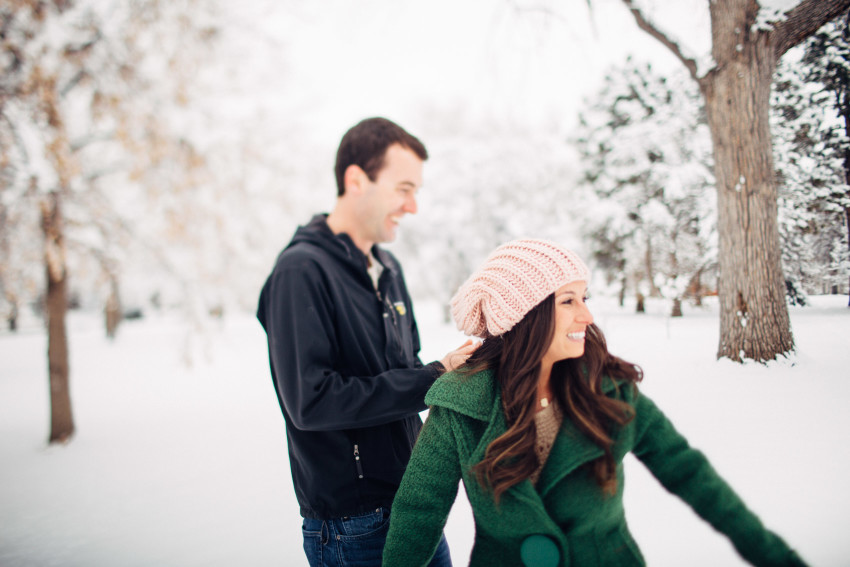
x: 539, y: 551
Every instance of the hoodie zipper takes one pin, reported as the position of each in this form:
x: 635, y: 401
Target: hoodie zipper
x: 357, y: 461
x: 385, y: 301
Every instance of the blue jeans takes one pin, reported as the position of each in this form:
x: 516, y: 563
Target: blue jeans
x: 356, y: 541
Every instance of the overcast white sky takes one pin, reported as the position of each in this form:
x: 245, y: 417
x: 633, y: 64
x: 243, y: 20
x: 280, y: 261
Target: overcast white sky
x: 518, y: 62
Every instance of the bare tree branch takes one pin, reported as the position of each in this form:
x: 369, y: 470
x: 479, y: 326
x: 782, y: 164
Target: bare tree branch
x: 16, y: 137
x: 92, y: 138
x: 75, y: 80
x: 537, y: 9
x: 804, y: 20
x: 652, y: 30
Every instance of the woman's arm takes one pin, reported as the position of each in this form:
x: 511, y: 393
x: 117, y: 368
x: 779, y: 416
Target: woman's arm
x: 686, y: 472
x: 425, y: 497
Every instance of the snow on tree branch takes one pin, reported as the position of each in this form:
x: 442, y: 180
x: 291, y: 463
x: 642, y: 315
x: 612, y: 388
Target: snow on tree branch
x: 771, y: 12
x: 801, y: 21
x: 647, y: 26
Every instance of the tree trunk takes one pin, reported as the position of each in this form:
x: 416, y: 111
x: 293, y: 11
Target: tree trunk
x: 754, y: 319
x: 12, y: 318
x: 845, y: 113
x: 847, y: 215
x: 677, y: 307
x: 650, y: 268
x: 674, y: 275
x: 61, y: 418
x: 112, y: 309
x: 640, y: 306
x: 696, y: 286
x: 754, y: 322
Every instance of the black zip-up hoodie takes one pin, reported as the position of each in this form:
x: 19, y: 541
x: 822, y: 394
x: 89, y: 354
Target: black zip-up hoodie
x: 344, y: 360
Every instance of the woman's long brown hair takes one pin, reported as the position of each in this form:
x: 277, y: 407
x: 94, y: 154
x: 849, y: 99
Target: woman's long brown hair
x: 576, y: 383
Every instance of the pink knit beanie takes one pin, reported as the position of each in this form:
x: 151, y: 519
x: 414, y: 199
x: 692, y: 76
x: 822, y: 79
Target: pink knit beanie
x: 512, y: 281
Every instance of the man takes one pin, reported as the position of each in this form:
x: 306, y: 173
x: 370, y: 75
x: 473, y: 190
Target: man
x: 343, y: 350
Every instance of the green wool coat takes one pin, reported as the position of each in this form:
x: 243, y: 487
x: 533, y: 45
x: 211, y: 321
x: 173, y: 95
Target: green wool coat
x: 565, y: 520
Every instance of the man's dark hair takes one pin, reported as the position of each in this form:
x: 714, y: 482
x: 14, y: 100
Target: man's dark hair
x: 365, y: 146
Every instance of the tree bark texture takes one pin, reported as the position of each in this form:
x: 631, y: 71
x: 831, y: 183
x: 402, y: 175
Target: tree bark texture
x: 61, y: 417
x: 754, y: 322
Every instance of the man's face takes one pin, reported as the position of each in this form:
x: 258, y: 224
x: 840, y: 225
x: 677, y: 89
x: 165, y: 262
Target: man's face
x: 392, y: 195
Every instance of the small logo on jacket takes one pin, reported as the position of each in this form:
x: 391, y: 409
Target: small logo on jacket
x: 399, y: 306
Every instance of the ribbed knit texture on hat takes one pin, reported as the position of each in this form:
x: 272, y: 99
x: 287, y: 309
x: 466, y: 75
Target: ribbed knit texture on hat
x: 515, y: 278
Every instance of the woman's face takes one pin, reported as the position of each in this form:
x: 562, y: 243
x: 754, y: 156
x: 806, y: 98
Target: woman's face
x: 571, y: 320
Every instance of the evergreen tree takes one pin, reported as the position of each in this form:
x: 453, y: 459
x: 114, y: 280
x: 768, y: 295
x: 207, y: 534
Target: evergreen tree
x: 748, y: 40
x: 827, y: 61
x: 645, y: 149
x: 809, y: 154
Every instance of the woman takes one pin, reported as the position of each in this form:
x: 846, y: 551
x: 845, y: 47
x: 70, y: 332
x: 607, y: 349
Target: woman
x: 537, y: 423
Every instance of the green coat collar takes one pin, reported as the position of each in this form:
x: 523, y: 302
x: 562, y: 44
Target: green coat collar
x: 478, y: 396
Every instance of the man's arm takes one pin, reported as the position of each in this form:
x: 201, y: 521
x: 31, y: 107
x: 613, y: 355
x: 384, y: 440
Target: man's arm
x: 299, y: 317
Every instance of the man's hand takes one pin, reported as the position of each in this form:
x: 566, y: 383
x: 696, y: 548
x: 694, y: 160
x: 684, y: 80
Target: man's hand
x: 458, y: 356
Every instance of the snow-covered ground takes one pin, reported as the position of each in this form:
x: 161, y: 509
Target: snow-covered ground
x: 176, y: 465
